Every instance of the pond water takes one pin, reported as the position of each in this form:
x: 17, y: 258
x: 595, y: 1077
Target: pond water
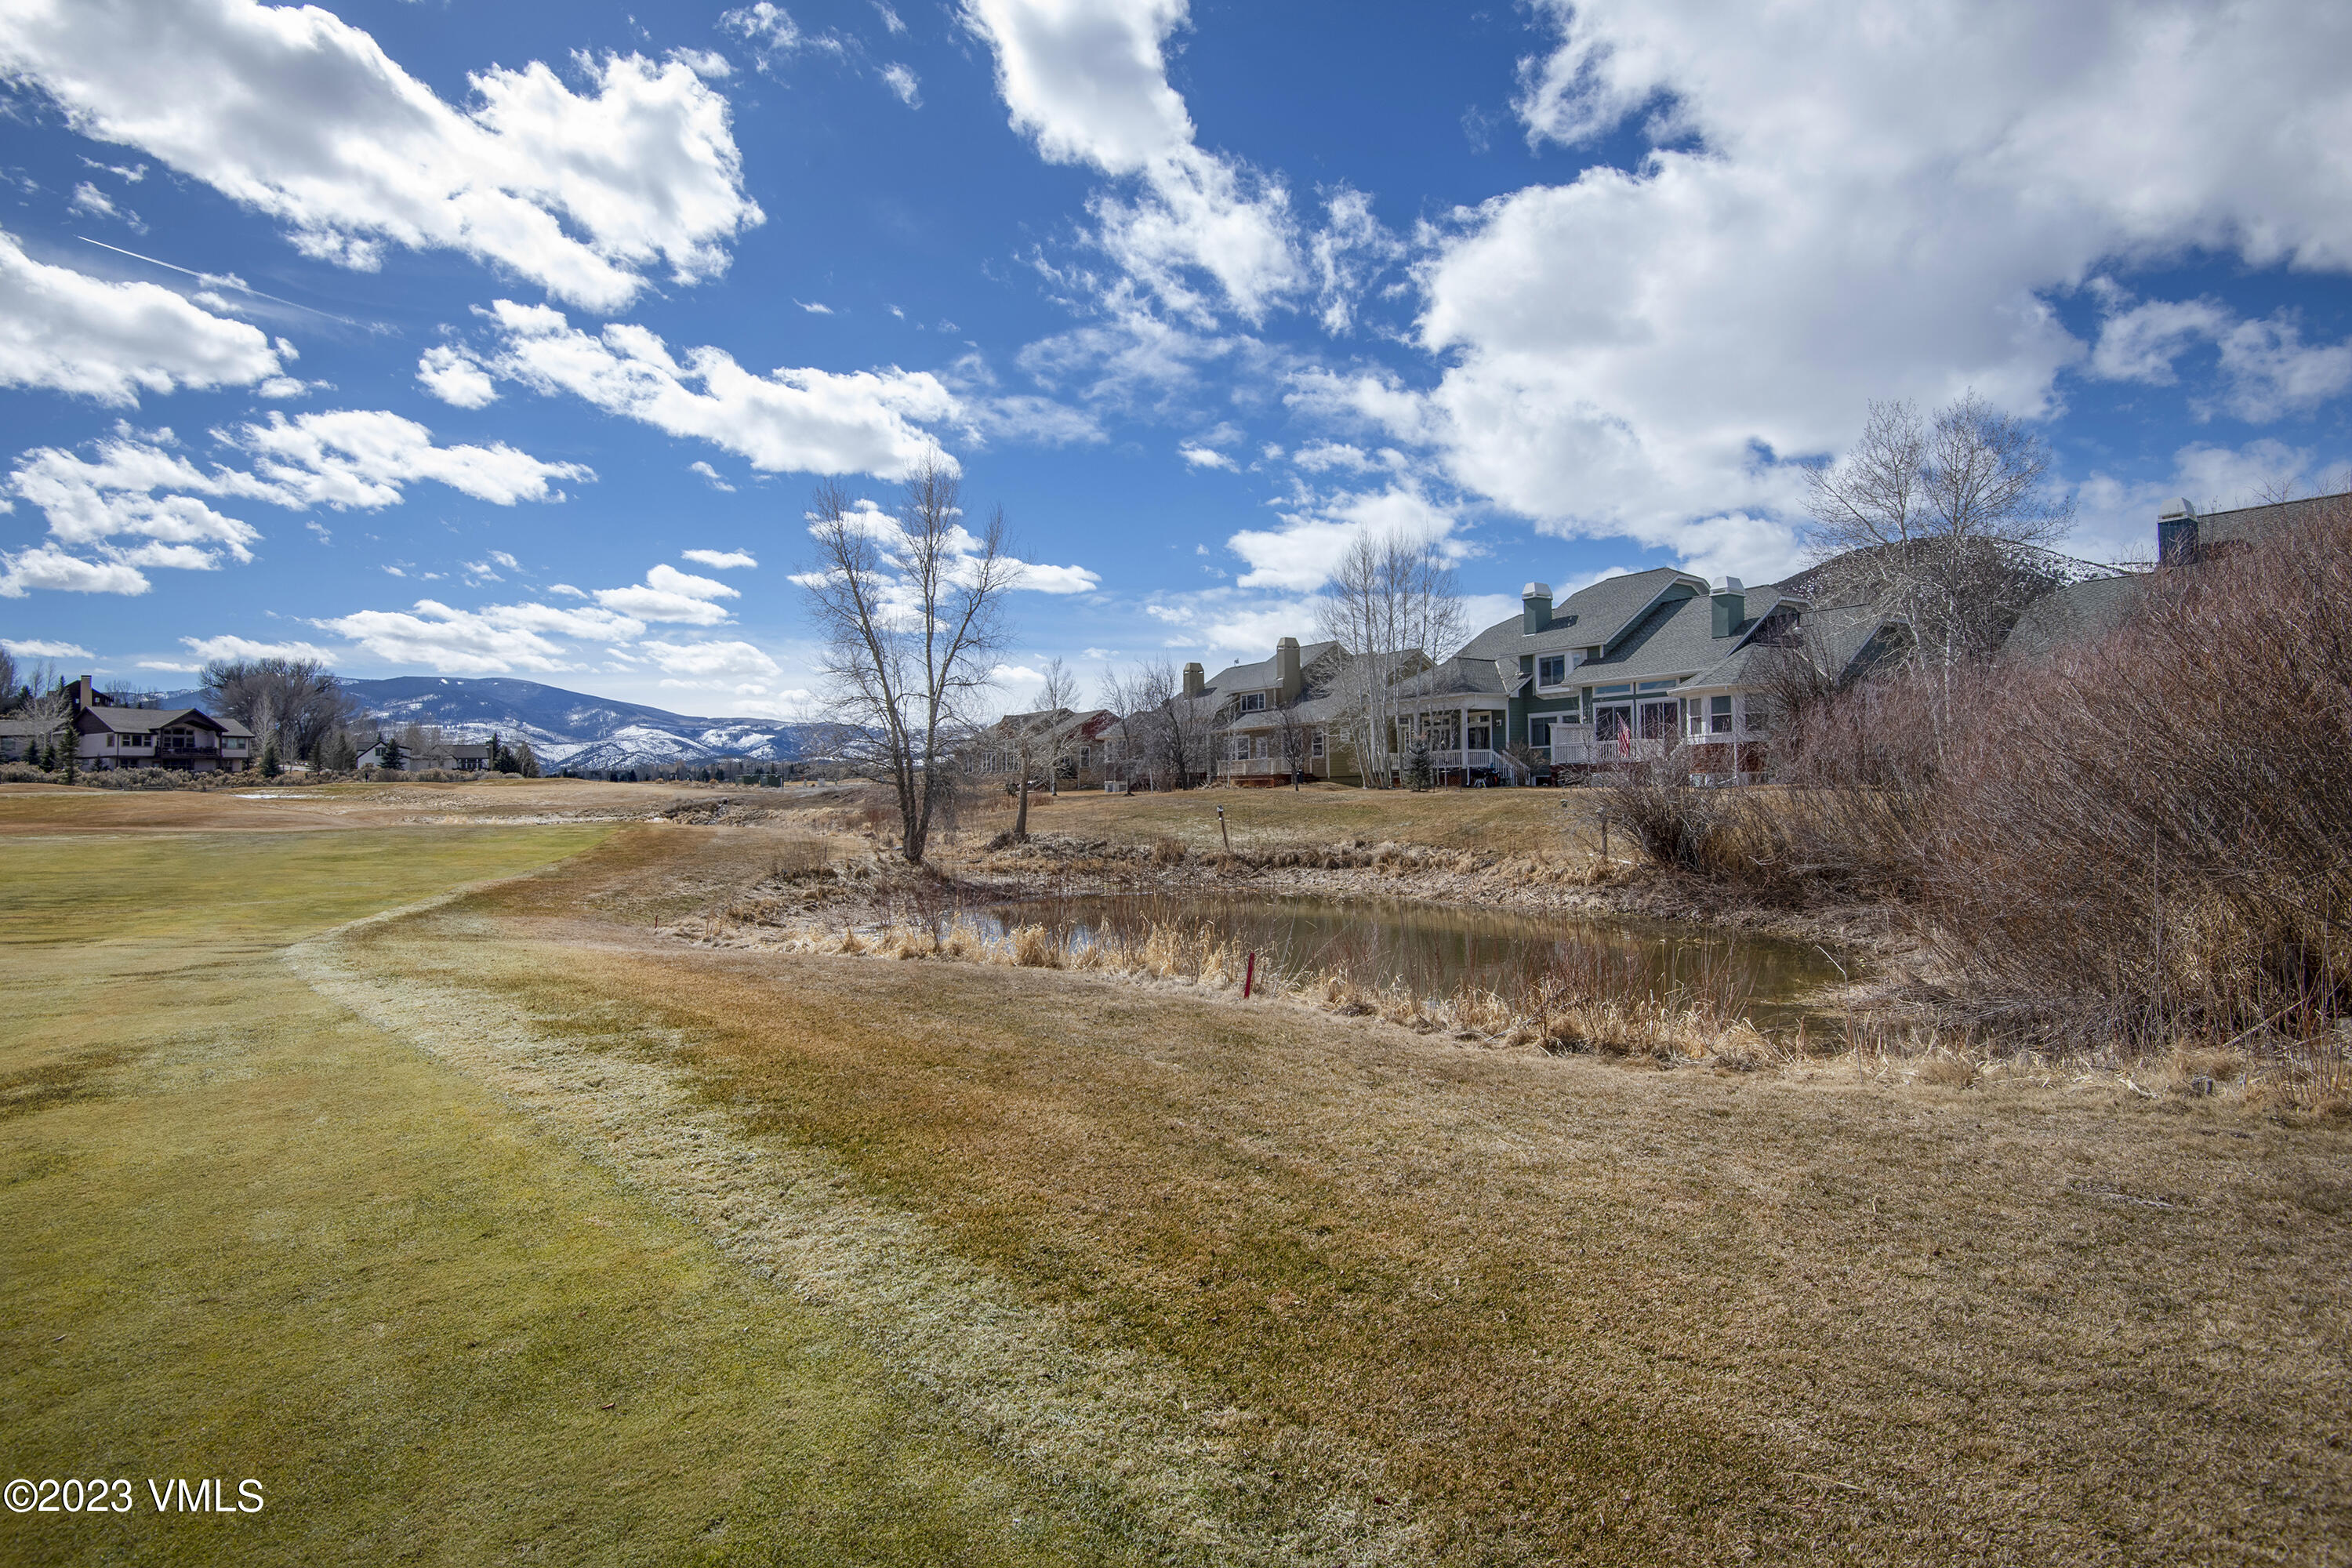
x: 1433, y: 951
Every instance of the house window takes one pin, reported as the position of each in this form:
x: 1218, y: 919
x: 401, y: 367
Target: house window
x: 1659, y: 685
x: 1539, y: 733
x: 1613, y: 722
x: 1760, y: 714
x: 1551, y: 669
x: 1613, y: 690
x: 1252, y: 702
x: 1718, y: 715
x: 1315, y: 744
x: 1482, y: 734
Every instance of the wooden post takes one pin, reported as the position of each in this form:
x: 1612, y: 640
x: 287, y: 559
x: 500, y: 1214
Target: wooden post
x: 1249, y: 975
x: 1225, y: 831
x: 1605, y: 835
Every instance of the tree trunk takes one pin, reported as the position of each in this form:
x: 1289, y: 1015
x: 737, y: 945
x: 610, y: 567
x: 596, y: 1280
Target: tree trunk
x: 1021, y: 817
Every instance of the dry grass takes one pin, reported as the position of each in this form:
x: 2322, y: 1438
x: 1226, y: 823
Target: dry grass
x: 1548, y: 1308
x: 247, y: 1234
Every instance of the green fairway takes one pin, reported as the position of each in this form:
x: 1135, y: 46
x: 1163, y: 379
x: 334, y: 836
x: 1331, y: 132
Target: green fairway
x: 248, y: 1237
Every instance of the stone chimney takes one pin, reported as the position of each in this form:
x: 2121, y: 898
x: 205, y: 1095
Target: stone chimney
x: 85, y: 695
x: 1196, y: 681
x: 2176, y: 533
x: 1287, y: 676
x: 1730, y: 595
x: 1535, y: 608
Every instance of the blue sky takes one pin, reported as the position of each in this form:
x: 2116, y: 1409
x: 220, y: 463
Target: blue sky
x: 511, y: 340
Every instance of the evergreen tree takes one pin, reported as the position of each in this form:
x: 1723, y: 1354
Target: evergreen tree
x: 391, y: 754
x: 269, y: 761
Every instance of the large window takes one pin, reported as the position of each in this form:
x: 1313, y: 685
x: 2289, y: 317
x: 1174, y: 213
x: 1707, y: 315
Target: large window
x: 1252, y: 702
x: 1539, y: 733
x: 1612, y: 721
x: 1718, y: 715
x: 1551, y: 669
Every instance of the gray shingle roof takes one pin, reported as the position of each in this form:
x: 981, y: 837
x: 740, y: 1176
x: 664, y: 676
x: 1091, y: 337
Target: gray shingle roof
x: 1261, y: 676
x: 2076, y: 613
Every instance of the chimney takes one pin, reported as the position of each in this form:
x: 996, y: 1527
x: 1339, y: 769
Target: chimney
x: 1731, y: 606
x: 85, y: 695
x: 1535, y: 608
x: 2176, y: 533
x: 1196, y: 681
x: 1286, y: 675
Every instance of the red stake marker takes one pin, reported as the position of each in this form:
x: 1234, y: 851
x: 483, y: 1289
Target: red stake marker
x: 1249, y: 975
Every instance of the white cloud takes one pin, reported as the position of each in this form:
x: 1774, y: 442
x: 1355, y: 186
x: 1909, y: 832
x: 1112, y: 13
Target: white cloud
x: 446, y: 640
x: 813, y: 421
x: 238, y: 648
x: 710, y: 663
x: 1300, y: 554
x: 360, y: 458
x: 773, y: 34
x: 1040, y: 579
x: 1201, y: 456
x: 2266, y: 368
x: 719, y: 559
x: 901, y: 80
x: 39, y: 648
x: 670, y: 595
x: 137, y: 486
x: 1086, y: 80
x: 708, y: 64
x: 89, y: 198
x: 298, y: 115
x: 814, y: 309
x: 74, y: 333
x: 711, y: 476
x: 890, y: 21
x: 1631, y: 350
x: 452, y: 376
x: 46, y: 567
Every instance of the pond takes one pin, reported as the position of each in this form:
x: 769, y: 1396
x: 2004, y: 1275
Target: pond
x: 1434, y: 951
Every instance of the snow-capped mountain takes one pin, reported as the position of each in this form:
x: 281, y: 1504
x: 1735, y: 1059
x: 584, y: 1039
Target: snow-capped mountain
x: 570, y: 729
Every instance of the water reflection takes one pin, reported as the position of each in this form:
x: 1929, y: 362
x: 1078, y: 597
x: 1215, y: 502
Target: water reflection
x: 1434, y: 951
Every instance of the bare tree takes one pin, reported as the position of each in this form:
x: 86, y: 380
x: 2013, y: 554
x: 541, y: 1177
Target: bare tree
x: 1294, y: 740
x: 1059, y: 695
x: 1037, y: 740
x: 290, y: 704
x: 8, y: 695
x: 1392, y: 602
x: 911, y: 611
x: 1946, y: 522
x: 1169, y: 735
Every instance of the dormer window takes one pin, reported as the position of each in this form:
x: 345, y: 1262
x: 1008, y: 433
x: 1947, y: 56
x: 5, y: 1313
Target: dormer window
x: 1252, y: 702
x: 1551, y: 669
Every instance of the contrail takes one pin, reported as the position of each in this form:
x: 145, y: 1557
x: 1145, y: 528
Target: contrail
x: 216, y: 279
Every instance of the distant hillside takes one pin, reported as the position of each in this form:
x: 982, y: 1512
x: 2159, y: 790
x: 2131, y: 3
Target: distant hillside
x: 570, y: 729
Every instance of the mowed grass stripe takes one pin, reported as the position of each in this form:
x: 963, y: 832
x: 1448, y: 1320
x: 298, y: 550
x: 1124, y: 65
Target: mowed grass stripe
x: 247, y: 1234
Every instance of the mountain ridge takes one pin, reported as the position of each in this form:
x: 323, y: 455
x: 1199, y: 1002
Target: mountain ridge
x: 570, y: 729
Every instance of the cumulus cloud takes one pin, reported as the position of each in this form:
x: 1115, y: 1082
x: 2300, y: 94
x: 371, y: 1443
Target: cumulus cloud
x: 670, y: 595
x: 706, y: 663
x: 773, y: 36
x: 141, y: 487
x: 452, y: 376
x: 719, y: 559
x: 1087, y: 81
x: 449, y: 641
x: 236, y: 648
x: 1319, y: 529
x: 710, y: 476
x: 296, y: 114
x: 1636, y: 352
x: 2265, y: 367
x: 1201, y: 456
x: 810, y: 421
x: 901, y: 81
x: 70, y: 333
x: 42, y: 647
